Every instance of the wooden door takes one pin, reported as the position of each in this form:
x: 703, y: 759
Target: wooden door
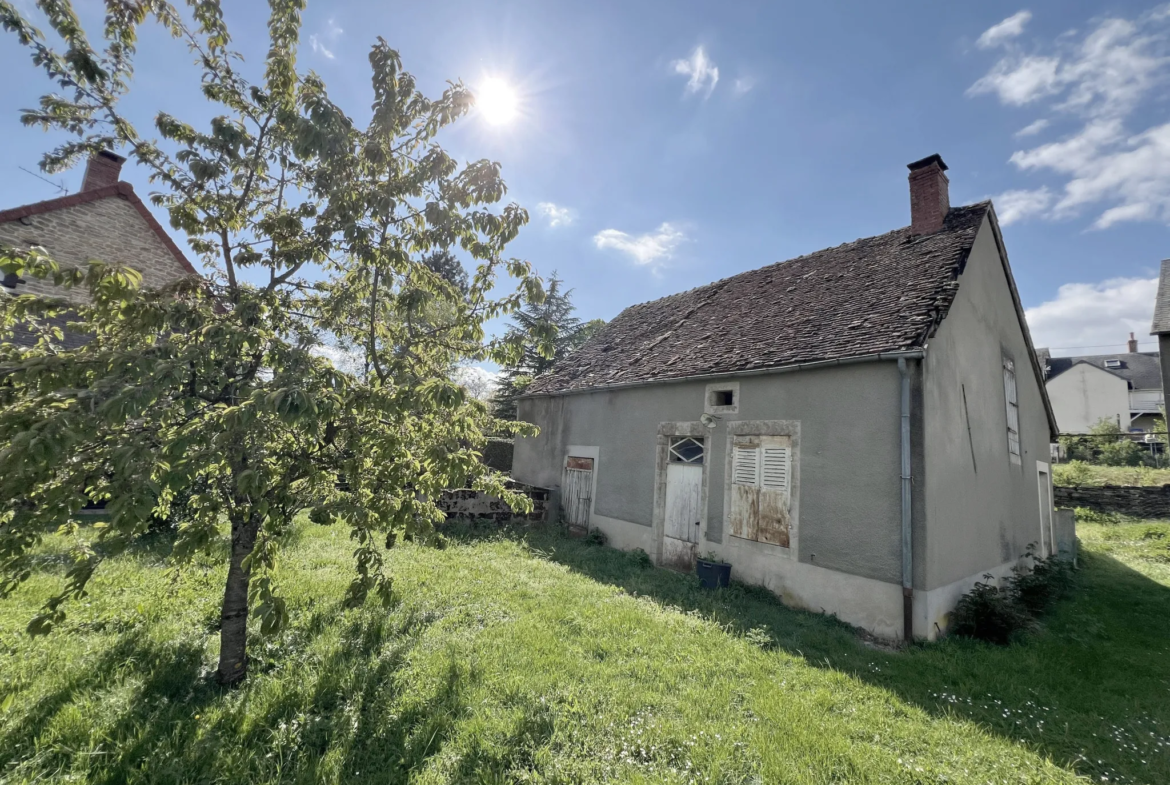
x: 578, y: 491
x: 683, y: 516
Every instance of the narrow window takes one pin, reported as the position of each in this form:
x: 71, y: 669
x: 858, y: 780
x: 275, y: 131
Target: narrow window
x: 761, y: 489
x: 1013, y: 409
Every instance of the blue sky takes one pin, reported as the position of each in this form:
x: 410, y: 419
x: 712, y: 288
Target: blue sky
x: 662, y: 145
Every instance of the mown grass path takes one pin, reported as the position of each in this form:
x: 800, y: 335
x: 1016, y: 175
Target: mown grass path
x: 523, y: 656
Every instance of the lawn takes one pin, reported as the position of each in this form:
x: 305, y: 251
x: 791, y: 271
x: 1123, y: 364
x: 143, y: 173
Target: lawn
x: 519, y: 655
x: 1081, y: 473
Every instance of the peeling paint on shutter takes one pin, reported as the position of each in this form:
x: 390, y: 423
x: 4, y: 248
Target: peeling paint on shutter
x: 745, y: 497
x: 775, y: 490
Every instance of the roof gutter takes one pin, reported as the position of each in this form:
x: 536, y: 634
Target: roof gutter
x: 909, y: 354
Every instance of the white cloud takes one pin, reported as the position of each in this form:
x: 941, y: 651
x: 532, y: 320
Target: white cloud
x: 556, y: 215
x: 1094, y: 315
x: 1012, y: 206
x: 1019, y: 80
x: 322, y: 41
x: 742, y: 85
x: 700, y: 70
x: 1101, y: 75
x: 650, y: 248
x: 1031, y: 129
x: 478, y: 382
x: 1005, y: 31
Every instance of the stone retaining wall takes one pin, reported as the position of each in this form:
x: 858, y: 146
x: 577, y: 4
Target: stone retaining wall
x: 466, y: 505
x: 1139, y: 502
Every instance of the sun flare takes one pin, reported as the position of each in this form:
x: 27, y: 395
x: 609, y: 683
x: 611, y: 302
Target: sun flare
x: 497, y: 101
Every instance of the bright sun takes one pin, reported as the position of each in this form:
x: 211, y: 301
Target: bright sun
x: 497, y: 101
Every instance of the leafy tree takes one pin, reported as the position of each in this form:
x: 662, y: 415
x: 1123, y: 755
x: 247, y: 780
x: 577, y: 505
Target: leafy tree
x: 445, y: 264
x: 313, y: 228
x: 1105, y: 444
x: 534, y: 326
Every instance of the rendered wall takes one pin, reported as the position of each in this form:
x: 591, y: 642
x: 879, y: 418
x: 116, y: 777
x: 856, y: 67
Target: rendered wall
x: 981, y: 509
x: 1085, y: 394
x: 849, y: 460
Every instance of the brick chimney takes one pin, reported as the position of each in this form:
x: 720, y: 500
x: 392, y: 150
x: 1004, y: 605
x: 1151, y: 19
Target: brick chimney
x: 103, y: 169
x: 930, y: 199
x: 1132, y: 344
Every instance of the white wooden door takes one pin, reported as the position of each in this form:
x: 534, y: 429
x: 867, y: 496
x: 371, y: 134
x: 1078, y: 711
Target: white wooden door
x: 578, y: 494
x: 684, y: 500
x: 1047, y: 535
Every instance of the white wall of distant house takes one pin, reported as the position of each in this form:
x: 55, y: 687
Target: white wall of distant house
x: 1084, y: 395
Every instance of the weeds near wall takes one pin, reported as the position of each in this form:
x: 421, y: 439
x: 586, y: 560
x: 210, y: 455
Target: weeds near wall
x: 998, y: 614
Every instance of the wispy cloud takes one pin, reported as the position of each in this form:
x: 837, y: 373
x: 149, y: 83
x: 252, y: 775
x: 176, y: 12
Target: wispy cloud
x: 650, y: 248
x: 1094, y: 315
x: 321, y: 42
x: 555, y: 214
x: 478, y: 382
x: 1012, y: 206
x: 742, y: 85
x: 1031, y: 129
x: 702, y: 74
x: 1101, y: 75
x: 1010, y: 28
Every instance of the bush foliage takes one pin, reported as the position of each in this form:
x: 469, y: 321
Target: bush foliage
x: 997, y: 614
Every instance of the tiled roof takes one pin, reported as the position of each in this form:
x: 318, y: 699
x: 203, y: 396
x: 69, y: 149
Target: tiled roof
x: 1162, y: 303
x: 878, y: 294
x: 1142, y: 370
x: 119, y: 189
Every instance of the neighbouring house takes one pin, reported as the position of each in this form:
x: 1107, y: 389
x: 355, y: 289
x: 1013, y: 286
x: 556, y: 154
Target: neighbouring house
x: 1124, y: 388
x: 104, y: 221
x: 863, y: 430
x: 1161, y: 325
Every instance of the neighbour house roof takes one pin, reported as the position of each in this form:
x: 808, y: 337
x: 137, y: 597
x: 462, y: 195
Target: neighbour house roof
x: 116, y: 190
x: 1143, y: 370
x: 875, y: 295
x: 1162, y: 303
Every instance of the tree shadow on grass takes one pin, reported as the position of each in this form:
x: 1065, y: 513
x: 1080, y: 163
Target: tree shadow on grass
x: 1087, y: 688
x: 305, y: 714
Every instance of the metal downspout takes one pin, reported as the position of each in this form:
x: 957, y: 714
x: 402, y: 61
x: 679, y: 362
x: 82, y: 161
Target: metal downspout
x: 907, y: 544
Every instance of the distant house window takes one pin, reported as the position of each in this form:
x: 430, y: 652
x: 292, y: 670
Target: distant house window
x: 1113, y: 363
x: 1013, y: 409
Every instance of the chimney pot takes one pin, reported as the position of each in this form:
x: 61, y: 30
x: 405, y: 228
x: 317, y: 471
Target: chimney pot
x: 1132, y: 344
x: 930, y: 199
x: 103, y: 169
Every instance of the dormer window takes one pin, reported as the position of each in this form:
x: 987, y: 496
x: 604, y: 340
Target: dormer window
x: 1113, y: 363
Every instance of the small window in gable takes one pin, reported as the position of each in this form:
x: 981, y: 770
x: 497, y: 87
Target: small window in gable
x: 1013, y: 409
x: 1113, y: 363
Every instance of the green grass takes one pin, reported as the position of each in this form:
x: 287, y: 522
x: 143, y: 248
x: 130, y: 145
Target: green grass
x: 523, y: 656
x: 1081, y: 473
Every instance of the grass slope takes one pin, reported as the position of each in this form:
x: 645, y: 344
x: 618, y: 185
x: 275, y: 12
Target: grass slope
x: 522, y: 656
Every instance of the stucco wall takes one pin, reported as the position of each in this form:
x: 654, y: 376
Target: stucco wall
x: 108, y: 230
x: 981, y: 509
x: 849, y: 458
x: 1084, y: 394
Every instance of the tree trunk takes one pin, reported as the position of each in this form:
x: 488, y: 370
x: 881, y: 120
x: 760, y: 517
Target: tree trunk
x: 233, y: 618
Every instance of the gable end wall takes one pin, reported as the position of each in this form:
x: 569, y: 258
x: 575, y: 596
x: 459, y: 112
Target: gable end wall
x: 981, y: 509
x: 109, y: 230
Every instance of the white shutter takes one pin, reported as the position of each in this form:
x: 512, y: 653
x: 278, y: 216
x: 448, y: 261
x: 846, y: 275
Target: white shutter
x: 746, y: 470
x: 776, y: 469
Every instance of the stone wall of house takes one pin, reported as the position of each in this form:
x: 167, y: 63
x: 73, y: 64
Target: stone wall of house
x: 466, y: 505
x: 109, y: 230
x: 1139, y: 502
